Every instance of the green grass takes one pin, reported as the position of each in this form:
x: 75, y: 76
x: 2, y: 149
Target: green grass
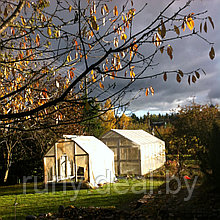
x: 118, y: 194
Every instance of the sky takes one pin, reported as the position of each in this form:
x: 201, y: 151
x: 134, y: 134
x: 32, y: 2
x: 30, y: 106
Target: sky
x: 189, y: 54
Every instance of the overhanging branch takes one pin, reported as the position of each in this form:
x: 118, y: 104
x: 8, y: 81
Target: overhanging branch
x: 13, y: 16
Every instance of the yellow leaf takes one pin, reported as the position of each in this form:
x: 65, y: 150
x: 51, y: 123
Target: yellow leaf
x: 68, y: 58
x: 116, y: 42
x: 57, y: 33
x: 152, y: 90
x: 156, y: 40
x: 190, y: 23
x: 49, y: 32
x: 159, y: 31
x: 94, y: 7
x: 70, y: 8
x: 23, y: 21
x: 124, y: 18
x: 147, y: 92
x: 115, y: 11
x: 38, y: 40
x: 91, y: 33
x: 132, y: 74
x: 102, y: 11
x: 131, y: 54
x: 101, y: 85
x: 123, y: 36
x: 81, y: 86
x: 106, y: 8
x: 94, y: 24
x: 84, y: 31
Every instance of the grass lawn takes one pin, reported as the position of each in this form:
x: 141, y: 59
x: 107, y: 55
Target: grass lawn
x: 118, y: 194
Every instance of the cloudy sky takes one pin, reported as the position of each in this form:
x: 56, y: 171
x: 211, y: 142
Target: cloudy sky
x: 189, y: 54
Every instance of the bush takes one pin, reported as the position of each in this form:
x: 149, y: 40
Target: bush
x: 214, y: 153
x: 172, y: 166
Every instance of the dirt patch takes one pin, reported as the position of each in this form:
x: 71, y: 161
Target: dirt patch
x: 204, y: 204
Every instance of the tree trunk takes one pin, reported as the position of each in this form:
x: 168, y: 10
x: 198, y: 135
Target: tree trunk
x: 7, y: 167
x: 6, y: 174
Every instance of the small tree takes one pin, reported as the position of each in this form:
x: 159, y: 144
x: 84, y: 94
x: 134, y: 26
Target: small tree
x: 124, y: 122
x: 9, y: 140
x: 214, y: 152
x: 108, y: 117
x: 192, y: 132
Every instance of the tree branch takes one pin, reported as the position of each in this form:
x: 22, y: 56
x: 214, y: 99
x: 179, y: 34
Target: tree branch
x: 11, y: 18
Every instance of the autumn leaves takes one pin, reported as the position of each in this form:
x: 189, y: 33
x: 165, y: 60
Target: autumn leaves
x: 204, y: 27
x: 187, y: 22
x: 94, y: 24
x: 119, y: 22
x: 159, y: 37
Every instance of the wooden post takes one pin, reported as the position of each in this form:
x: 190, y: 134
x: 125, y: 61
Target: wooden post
x: 88, y: 169
x: 140, y: 161
x: 74, y: 159
x: 45, y: 171
x: 56, y: 162
x: 118, y: 157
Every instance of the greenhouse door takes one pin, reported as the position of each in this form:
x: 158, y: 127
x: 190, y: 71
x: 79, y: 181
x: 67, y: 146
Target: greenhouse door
x: 81, y: 159
x: 63, y: 166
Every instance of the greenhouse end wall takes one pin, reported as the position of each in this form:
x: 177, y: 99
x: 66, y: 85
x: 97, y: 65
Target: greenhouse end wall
x: 133, y: 158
